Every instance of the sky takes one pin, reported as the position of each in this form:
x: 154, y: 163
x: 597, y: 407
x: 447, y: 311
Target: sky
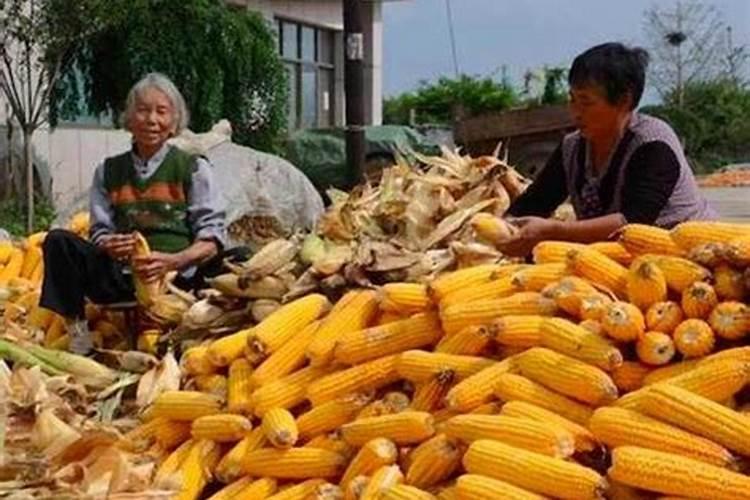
x: 517, y: 34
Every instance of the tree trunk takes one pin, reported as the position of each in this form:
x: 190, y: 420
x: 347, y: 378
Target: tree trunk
x: 27, y: 135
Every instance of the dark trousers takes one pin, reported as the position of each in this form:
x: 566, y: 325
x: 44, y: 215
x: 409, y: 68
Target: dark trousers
x: 76, y: 269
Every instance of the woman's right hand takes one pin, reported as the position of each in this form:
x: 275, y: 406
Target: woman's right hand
x: 118, y: 246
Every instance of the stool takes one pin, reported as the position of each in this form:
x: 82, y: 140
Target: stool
x: 130, y: 313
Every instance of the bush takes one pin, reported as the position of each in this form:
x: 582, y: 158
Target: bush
x: 13, y: 216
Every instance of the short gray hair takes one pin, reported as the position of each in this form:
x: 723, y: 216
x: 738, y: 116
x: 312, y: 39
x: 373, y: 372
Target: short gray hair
x: 162, y: 83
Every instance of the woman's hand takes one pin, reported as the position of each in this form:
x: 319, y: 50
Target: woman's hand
x: 157, y: 264
x: 118, y: 246
x: 531, y: 230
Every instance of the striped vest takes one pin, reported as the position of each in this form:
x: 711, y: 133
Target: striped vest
x: 156, y: 206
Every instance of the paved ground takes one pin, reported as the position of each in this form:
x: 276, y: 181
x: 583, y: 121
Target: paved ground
x: 732, y: 203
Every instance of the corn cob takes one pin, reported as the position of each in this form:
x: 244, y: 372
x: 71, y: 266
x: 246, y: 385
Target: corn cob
x: 584, y: 441
x: 694, y: 338
x: 542, y: 437
x: 476, y: 487
x: 535, y: 278
x: 623, y: 321
x: 172, y: 434
x: 664, y: 317
x: 168, y: 474
x: 55, y: 331
x: 552, y: 476
x: 145, y: 293
x: 246, y: 488
x: 223, y: 351
x: 6, y: 251
x: 680, y: 273
x: 717, y: 380
x: 568, y: 293
x: 672, y: 370
x: 429, y: 395
x: 517, y: 331
x: 287, y: 358
x: 405, y: 492
x: 386, y: 317
x: 693, y: 233
x: 549, y: 252
x: 737, y: 251
x: 381, y: 481
x: 458, y: 316
x: 421, y: 366
x: 280, y: 428
x: 617, y: 427
x: 470, y: 341
x: 374, y: 454
x: 12, y: 268
x: 408, y: 427
x: 433, y: 461
x: 593, y: 326
x: 332, y: 442
x: 391, y: 402
x: 293, y: 463
x: 364, y: 345
x: 614, y: 250
x: 306, y: 490
x: 40, y: 318
x: 285, y: 392
x: 229, y: 468
x: 330, y: 416
x: 567, y: 375
x: 698, y: 300
x: 640, y: 239
x: 239, y: 387
x: 698, y: 415
x: 270, y: 258
x: 185, y: 405
x: 729, y: 283
x: 213, y: 384
x: 360, y: 378
x: 476, y: 389
x: 470, y: 277
x: 31, y: 259
x: 195, y: 361
x: 282, y: 325
x: 673, y: 474
x: 447, y: 493
x: 405, y: 298
x: 600, y: 269
x: 224, y: 428
x: 495, y: 289
x: 490, y: 228
x: 568, y: 338
x: 730, y: 320
x: 655, y: 348
x: 196, y: 469
x: 646, y: 284
x: 356, y: 487
x: 594, y: 307
x: 510, y: 387
x: 630, y: 375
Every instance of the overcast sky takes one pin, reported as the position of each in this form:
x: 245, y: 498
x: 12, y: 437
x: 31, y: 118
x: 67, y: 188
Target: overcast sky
x: 520, y: 34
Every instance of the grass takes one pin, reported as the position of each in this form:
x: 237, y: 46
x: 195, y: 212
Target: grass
x: 13, y: 216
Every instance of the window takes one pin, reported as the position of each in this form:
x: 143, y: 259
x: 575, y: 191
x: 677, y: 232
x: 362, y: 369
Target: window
x: 308, y: 53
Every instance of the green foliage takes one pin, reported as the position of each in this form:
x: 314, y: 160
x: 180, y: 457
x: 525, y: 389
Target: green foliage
x: 225, y: 63
x: 13, y: 216
x: 713, y: 122
x: 436, y: 102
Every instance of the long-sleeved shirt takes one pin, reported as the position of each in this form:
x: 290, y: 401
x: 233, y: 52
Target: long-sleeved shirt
x: 206, y: 214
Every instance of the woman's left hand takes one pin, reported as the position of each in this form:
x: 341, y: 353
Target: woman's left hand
x: 531, y: 230
x: 155, y: 265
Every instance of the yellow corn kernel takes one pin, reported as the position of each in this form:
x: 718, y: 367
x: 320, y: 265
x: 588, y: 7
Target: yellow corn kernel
x: 383, y: 479
x: 286, y: 392
x: 614, y: 250
x: 428, y: 396
x: 476, y: 487
x: 490, y: 228
x: 567, y: 376
x: 729, y: 283
x: 391, y: 402
x: 408, y: 427
x: 6, y: 250
x: 32, y: 257
x: 371, y: 375
x: 55, y: 330
x: 172, y: 434
x: 13, y: 266
x: 664, y: 317
x: 458, y: 316
x: 569, y: 292
x: 568, y: 338
x: 332, y: 442
x: 535, y: 278
x: 470, y: 341
x: 517, y: 331
x: 698, y: 300
x: 405, y: 298
x: 630, y: 375
x: 730, y: 320
x: 293, y: 463
x: 600, y: 269
x: 239, y: 387
x: 510, y: 387
x: 197, y: 469
x: 694, y: 338
x: 679, y: 272
x: 223, y: 428
x: 364, y: 345
x: 646, y: 284
x: 655, y: 348
x: 287, y: 358
x: 213, y: 384
x: 433, y: 461
x: 405, y: 492
x: 593, y: 307
x: 229, y: 468
x: 623, y: 321
x: 552, y: 476
x: 195, y: 361
x: 280, y: 428
x: 494, y: 289
x: 185, y: 405
x: 547, y: 438
x: 330, y: 416
x: 167, y: 475
x: 421, y: 366
x: 355, y: 311
x: 693, y: 233
x: 40, y: 318
x: 373, y: 455
x: 622, y: 427
x: 673, y: 474
x: 247, y: 488
x: 737, y: 251
x: 549, y: 252
x: 640, y: 239
x: 221, y: 352
x: 301, y: 491
x: 452, y: 282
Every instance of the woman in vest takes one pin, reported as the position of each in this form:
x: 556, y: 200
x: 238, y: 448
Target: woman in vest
x: 154, y: 188
x: 619, y: 167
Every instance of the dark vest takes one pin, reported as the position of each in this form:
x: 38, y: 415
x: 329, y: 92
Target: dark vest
x: 156, y: 206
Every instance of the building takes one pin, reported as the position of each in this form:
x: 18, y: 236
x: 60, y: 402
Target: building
x: 310, y: 36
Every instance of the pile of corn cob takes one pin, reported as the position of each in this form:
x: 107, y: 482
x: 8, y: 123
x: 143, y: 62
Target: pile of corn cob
x: 616, y: 369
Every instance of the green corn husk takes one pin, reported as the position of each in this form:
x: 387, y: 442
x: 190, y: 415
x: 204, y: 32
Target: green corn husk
x: 84, y: 369
x: 19, y: 355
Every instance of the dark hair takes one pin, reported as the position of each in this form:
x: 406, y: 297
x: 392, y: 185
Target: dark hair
x: 618, y: 69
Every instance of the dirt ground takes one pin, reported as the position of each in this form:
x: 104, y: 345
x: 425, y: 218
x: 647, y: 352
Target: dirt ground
x: 732, y: 203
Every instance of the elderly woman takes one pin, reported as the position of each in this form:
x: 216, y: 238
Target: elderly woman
x: 154, y: 188
x: 619, y: 167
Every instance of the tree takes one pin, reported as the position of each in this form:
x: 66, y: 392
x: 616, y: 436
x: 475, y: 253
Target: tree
x: 225, y: 62
x: 37, y: 38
